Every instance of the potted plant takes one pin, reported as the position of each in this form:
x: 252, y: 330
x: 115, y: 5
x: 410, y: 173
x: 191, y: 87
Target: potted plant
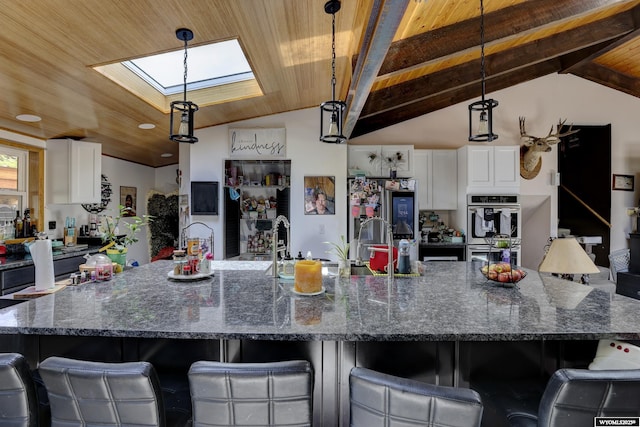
x: 118, y: 242
x: 341, y: 250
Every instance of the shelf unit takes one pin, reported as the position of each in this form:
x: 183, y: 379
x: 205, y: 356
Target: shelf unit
x: 257, y: 191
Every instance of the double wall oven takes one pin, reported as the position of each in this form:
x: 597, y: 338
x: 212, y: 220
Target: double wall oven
x: 488, y: 215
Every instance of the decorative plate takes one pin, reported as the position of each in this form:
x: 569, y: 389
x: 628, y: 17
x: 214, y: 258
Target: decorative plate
x: 188, y: 278
x: 321, y: 291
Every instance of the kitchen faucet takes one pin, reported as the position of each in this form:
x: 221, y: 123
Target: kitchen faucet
x: 276, y: 249
x: 389, y: 231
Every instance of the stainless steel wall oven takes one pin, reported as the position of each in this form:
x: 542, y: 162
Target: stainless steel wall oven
x: 488, y: 215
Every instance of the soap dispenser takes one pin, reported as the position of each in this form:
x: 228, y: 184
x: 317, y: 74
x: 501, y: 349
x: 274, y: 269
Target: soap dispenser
x: 404, y: 258
x: 288, y: 266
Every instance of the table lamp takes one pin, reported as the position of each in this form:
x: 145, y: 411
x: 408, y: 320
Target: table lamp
x: 566, y: 257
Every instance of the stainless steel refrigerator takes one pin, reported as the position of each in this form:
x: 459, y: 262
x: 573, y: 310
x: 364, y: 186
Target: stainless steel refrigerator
x: 394, y: 201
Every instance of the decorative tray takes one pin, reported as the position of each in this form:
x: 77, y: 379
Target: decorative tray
x: 188, y: 278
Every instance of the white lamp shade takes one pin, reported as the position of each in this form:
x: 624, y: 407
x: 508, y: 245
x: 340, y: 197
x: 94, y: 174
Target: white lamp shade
x: 566, y: 256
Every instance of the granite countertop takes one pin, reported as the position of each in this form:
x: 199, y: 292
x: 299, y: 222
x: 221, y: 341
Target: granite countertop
x: 15, y: 260
x: 452, y: 301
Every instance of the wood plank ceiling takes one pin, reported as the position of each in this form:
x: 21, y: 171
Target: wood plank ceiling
x: 396, y: 59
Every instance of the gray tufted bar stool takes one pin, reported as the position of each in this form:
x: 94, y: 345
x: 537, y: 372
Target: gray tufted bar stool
x: 18, y: 401
x: 105, y: 394
x: 571, y: 398
x: 251, y: 394
x: 379, y: 399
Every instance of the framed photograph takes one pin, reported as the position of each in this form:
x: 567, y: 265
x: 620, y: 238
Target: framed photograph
x: 623, y: 182
x: 319, y: 195
x: 128, y: 199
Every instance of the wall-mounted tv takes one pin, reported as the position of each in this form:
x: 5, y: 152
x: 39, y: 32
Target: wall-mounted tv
x: 204, y: 197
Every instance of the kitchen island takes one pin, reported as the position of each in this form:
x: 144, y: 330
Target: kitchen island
x: 446, y: 327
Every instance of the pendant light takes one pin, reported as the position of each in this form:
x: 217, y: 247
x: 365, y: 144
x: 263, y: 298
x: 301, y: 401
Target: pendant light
x: 481, y: 112
x: 184, y: 110
x: 331, y: 112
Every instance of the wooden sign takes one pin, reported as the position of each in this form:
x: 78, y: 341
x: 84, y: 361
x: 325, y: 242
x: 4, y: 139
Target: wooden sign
x: 257, y: 143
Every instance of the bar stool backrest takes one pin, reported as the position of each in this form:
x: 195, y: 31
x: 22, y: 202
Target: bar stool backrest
x: 573, y: 397
x: 248, y: 394
x: 105, y: 394
x: 381, y: 399
x: 619, y: 262
x: 18, y: 401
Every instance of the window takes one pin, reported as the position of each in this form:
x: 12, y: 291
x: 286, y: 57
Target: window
x: 13, y: 183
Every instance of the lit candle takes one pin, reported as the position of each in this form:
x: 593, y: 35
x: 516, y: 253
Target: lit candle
x: 308, y: 276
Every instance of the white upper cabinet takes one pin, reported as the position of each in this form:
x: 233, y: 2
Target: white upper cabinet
x: 489, y: 169
x: 372, y: 159
x: 436, y: 173
x: 73, y: 171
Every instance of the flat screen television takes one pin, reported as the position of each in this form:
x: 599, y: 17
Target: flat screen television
x: 204, y: 197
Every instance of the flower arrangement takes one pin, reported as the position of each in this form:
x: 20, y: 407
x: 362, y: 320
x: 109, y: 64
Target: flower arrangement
x: 393, y: 160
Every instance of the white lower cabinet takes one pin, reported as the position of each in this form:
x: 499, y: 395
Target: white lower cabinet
x: 436, y: 172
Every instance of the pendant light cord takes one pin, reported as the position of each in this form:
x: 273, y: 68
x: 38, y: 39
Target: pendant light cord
x: 482, y: 74
x: 333, y: 57
x: 185, y: 70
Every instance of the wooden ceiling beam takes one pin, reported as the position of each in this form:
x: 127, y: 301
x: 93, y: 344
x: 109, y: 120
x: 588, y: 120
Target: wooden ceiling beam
x: 608, y: 77
x: 498, y: 63
x: 444, y: 41
x: 382, y: 26
x: 453, y: 96
x: 606, y: 48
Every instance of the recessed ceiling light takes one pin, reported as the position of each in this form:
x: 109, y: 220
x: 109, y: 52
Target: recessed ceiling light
x: 146, y: 126
x: 28, y: 118
x: 166, y: 155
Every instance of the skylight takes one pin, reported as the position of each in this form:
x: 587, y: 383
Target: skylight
x: 208, y: 66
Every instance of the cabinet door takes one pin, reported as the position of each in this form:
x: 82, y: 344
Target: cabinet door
x: 422, y: 165
x: 74, y: 171
x: 480, y: 163
x: 404, y: 166
x: 86, y: 172
x: 359, y: 158
x: 506, y: 166
x: 444, y: 179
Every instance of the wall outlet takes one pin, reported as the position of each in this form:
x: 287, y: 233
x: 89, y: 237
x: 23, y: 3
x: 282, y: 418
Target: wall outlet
x: 321, y: 229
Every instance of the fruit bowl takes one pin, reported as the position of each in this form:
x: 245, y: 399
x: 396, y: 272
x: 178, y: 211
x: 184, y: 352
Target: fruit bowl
x: 503, y: 273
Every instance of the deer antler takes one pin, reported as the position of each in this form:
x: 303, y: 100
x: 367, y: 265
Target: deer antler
x: 524, y: 137
x: 555, y: 138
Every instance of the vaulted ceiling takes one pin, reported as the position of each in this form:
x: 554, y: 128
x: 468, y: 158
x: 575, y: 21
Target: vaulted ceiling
x: 396, y: 59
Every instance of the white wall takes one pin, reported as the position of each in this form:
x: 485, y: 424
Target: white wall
x: 308, y: 157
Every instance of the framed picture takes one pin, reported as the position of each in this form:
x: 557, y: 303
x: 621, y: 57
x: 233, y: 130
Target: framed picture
x: 623, y: 182
x: 128, y: 199
x: 319, y: 195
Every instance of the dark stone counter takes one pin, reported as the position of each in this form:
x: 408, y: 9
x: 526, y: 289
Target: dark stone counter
x: 22, y: 259
x: 452, y: 301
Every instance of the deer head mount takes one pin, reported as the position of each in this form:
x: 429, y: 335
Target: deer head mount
x: 532, y: 148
